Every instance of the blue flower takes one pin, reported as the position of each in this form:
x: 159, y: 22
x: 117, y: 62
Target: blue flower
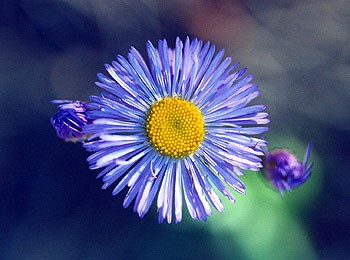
x: 177, y: 128
x: 70, y: 119
x: 284, y: 171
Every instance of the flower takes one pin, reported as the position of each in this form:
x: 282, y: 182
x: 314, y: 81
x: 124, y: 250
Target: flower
x: 70, y: 119
x: 179, y: 128
x: 284, y: 171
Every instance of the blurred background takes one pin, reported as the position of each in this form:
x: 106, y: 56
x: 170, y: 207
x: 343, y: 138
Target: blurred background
x: 51, y: 205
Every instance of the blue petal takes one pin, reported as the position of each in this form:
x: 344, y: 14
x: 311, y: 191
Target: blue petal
x: 150, y: 186
x: 155, y: 65
x: 204, y: 167
x: 164, y: 58
x: 164, y: 201
x: 207, y: 187
x: 178, y: 192
x: 177, y: 67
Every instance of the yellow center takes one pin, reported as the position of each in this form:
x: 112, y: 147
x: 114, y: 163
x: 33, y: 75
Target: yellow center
x: 175, y: 127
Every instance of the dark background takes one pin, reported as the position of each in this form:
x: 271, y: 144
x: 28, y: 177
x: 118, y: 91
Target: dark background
x: 51, y: 205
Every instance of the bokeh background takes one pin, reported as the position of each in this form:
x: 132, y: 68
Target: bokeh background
x: 51, y: 205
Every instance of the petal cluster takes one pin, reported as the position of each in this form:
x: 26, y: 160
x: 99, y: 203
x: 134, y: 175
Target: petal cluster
x: 194, y: 72
x: 284, y: 170
x: 70, y: 119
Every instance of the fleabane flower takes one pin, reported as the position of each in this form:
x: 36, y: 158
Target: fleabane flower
x: 178, y: 129
x: 70, y: 119
x: 284, y: 171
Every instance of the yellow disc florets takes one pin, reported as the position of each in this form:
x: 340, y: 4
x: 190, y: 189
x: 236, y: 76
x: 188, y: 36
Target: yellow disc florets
x: 175, y: 127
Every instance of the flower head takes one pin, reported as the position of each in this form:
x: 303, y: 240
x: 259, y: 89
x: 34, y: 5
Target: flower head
x: 70, y: 119
x: 178, y: 128
x: 284, y: 171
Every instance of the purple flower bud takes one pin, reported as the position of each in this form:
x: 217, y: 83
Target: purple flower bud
x: 70, y: 119
x: 284, y: 171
